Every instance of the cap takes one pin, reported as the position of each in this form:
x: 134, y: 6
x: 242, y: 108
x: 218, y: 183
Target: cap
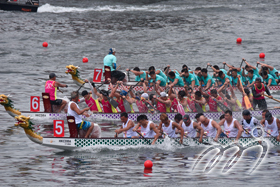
x: 111, y: 50
x: 268, y: 116
x: 246, y: 113
x: 186, y: 117
x: 123, y: 93
x: 145, y: 95
x: 258, y: 79
x: 163, y: 94
x: 52, y: 75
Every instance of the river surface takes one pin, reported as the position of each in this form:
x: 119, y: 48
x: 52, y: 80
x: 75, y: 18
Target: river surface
x: 144, y: 33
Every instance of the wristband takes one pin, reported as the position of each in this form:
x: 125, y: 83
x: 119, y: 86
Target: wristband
x: 66, y: 86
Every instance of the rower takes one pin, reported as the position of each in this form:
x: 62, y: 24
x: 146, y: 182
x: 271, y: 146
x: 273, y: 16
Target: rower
x: 238, y: 70
x: 190, y: 78
x: 271, y: 125
x: 249, y: 124
x: 200, y: 100
x: 110, y: 59
x: 270, y: 69
x: 148, y: 128
x: 169, y: 127
x: 91, y: 99
x: 158, y: 72
x: 224, y: 78
x: 175, y: 79
x: 126, y: 128
x: 138, y: 74
x: 158, y: 80
x: 234, y: 79
x: 206, y: 79
x: 210, y: 127
x: 268, y: 79
x: 183, y: 100
x: 163, y: 103
x: 258, y: 90
x: 51, y: 87
x: 213, y: 107
x: 191, y: 128
x: 86, y: 129
x: 231, y: 100
x: 251, y: 78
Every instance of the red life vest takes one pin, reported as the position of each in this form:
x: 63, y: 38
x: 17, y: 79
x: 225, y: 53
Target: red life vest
x: 141, y: 106
x: 107, y: 107
x: 191, y: 105
x: 174, y: 104
x: 121, y: 106
x: 92, y: 102
x: 212, y: 105
x: 162, y: 107
x: 258, y: 91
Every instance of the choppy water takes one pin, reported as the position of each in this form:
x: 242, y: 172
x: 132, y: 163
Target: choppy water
x: 144, y: 32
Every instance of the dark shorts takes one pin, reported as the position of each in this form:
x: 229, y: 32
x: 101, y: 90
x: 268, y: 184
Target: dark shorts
x: 56, y: 102
x: 260, y: 103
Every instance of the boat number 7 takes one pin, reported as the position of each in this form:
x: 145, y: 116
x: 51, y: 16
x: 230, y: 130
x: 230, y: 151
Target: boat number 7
x: 97, y: 75
x: 58, y: 128
x: 35, y: 104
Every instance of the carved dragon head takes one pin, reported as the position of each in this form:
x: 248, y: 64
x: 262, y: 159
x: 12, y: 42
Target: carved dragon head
x: 24, y: 122
x: 5, y: 101
x: 73, y: 70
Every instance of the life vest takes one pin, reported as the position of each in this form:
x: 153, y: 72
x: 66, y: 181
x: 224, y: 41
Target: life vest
x: 258, y: 91
x: 212, y: 105
x: 191, y: 104
x: 49, y: 88
x: 121, y: 106
x: 107, y: 107
x: 174, y: 104
x: 95, y: 104
x: 141, y: 106
x: 162, y: 107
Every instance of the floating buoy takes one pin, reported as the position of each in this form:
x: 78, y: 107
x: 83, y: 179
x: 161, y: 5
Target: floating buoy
x: 45, y: 44
x: 148, y: 164
x: 238, y: 40
x: 262, y: 55
x: 85, y: 60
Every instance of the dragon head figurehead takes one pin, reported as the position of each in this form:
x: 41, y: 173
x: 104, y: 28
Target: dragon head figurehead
x: 8, y: 104
x: 74, y: 72
x: 26, y: 124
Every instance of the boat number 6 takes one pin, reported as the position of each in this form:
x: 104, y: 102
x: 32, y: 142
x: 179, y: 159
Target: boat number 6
x: 58, y: 128
x: 35, y: 104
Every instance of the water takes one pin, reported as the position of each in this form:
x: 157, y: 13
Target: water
x: 144, y: 32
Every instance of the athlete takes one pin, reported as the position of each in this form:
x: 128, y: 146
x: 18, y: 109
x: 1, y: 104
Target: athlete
x: 110, y: 59
x: 250, y: 67
x: 175, y: 79
x: 126, y: 128
x: 51, y: 87
x: 190, y: 78
x: 138, y: 74
x: 271, y: 126
x: 258, y: 90
x: 249, y: 124
x: 86, y: 129
x: 169, y: 127
x: 231, y: 100
x: 232, y: 128
x: 206, y: 79
x: 211, y: 128
x: 268, y: 79
x: 148, y: 128
x: 155, y: 79
x: 163, y: 102
x: 270, y: 70
x: 158, y: 72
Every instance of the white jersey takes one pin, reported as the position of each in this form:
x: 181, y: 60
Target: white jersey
x: 70, y: 112
x: 271, y: 128
x: 147, y: 132
x: 189, y: 130
x: 230, y: 130
x: 129, y: 133
x: 209, y: 131
x: 250, y: 127
x: 168, y: 130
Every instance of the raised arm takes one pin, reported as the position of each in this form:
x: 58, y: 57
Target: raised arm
x: 265, y: 65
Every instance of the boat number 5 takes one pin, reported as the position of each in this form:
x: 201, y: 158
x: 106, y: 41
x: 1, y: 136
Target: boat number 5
x: 35, y: 104
x: 58, y: 128
x: 97, y: 75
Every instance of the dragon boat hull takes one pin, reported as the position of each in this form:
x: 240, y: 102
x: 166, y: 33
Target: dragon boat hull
x: 82, y: 143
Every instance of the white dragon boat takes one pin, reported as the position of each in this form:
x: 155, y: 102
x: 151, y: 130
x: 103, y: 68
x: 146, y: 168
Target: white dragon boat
x: 73, y: 143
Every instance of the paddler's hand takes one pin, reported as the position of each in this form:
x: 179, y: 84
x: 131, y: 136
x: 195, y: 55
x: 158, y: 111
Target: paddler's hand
x: 86, y: 80
x: 243, y: 67
x: 216, y: 139
x: 118, y: 131
x: 181, y: 141
x: 262, y: 93
x: 270, y: 96
x: 208, y: 64
x: 147, y: 72
x: 278, y: 138
x: 86, y: 109
x: 168, y: 66
x: 127, y: 69
x: 258, y: 63
x: 200, y: 140
x: 224, y: 63
x: 134, y: 129
x: 244, y: 59
x: 141, y: 80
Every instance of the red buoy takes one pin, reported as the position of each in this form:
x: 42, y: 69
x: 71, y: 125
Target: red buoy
x: 85, y: 60
x: 148, y: 164
x: 45, y: 44
x: 238, y: 40
x: 262, y: 55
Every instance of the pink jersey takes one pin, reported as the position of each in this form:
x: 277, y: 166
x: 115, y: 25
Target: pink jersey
x: 92, y: 102
x: 174, y: 104
x: 141, y: 106
x: 121, y: 106
x: 191, y: 104
x: 107, y: 108
x: 49, y: 88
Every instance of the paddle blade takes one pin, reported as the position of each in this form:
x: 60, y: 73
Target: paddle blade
x: 248, y: 104
x: 181, y: 109
x: 126, y: 105
x: 222, y: 106
x: 113, y: 102
x: 198, y: 108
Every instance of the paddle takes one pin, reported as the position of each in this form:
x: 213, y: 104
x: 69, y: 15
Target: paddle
x: 102, y: 84
x: 241, y: 63
x: 80, y: 87
x: 144, y: 138
x: 175, y: 139
x: 248, y: 104
x: 272, y: 98
x: 118, y: 67
x: 151, y: 108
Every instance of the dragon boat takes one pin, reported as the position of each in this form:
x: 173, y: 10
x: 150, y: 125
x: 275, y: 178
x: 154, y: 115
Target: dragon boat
x: 17, y: 5
x: 49, y: 116
x: 75, y: 74
x: 73, y: 143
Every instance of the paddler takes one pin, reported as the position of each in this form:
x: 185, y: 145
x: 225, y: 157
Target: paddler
x: 249, y: 124
x: 126, y: 128
x: 224, y: 78
x: 167, y: 126
x: 163, y: 102
x: 251, y: 77
x: 91, y: 130
x: 216, y: 69
x: 231, y: 100
x: 175, y: 79
x: 190, y: 78
x: 156, y: 79
x: 191, y: 128
x: 270, y: 69
x: 239, y: 71
x: 110, y: 59
x: 200, y: 100
x: 206, y: 79
x: 258, y: 90
x: 211, y: 128
x: 148, y: 128
x: 51, y: 87
x: 271, y: 126
x: 91, y: 99
x: 232, y: 128
x: 158, y: 72
x: 250, y: 67
x: 213, y: 106
x: 268, y: 79
x: 139, y: 75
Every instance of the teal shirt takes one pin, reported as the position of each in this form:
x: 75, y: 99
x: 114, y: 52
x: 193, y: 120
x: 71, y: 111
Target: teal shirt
x: 180, y: 80
x: 235, y: 80
x: 273, y: 82
x: 109, y: 60
x: 162, y: 80
x: 273, y: 72
x: 191, y: 78
x: 162, y: 74
x: 224, y: 71
x: 256, y: 72
x: 243, y: 78
x: 224, y: 79
x: 205, y: 80
x: 139, y: 77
